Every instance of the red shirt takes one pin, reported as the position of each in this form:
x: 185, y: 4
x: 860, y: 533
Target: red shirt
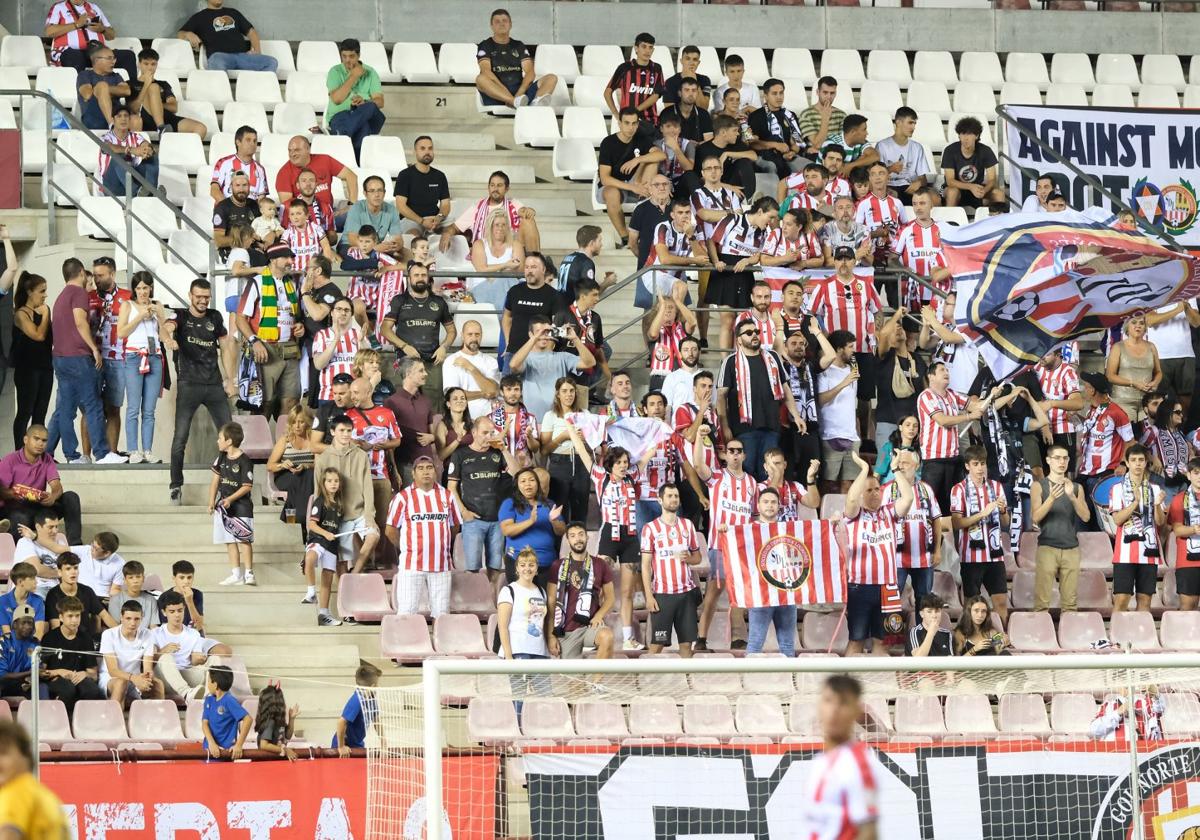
x: 375, y: 425
x: 425, y: 520
x: 871, y: 546
x: 1059, y: 384
x: 855, y: 312
x: 324, y: 167
x: 1102, y: 438
x: 1177, y: 515
x: 969, y: 550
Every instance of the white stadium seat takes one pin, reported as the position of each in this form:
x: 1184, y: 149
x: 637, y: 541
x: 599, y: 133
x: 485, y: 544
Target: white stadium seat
x: 175, y: 54
x: 384, y: 152
x: 795, y: 94
x: 190, y: 248
x: 245, y: 113
x: 589, y: 92
x: 584, y: 122
x: 496, y: 110
x: 987, y: 139
x: 155, y: 214
x: 309, y: 88
x: 175, y: 184
x: 337, y: 146
x: 880, y: 96
x: 13, y: 78
x: 183, y: 150
x: 59, y: 82
x: 974, y: 96
x: 950, y: 215
x: 147, y: 251
x: 1163, y: 70
x: 458, y: 62
x: 755, y: 60
x: 416, y: 63
x: 1112, y: 96
x: 879, y: 123
x: 889, y: 66
x: 8, y: 119
x: 536, y: 126
x: 1072, y: 68
x: 844, y: 98
x: 259, y: 86
x: 844, y: 65
x: 558, y: 59
x: 1117, y: 69
x: 220, y: 144
x: 930, y: 98
x: 209, y: 86
x: 294, y: 118
x: 602, y: 60
x: 23, y: 52
x: 981, y: 67
x: 204, y: 112
x: 1157, y: 96
x: 574, y: 158
x: 1191, y: 96
x: 710, y: 62
x: 935, y: 66
x: 70, y: 186
x: 375, y: 172
x: 80, y: 147
x: 1020, y: 93
x: 33, y: 146
x: 792, y: 63
x: 281, y: 51
x: 199, y: 210
x: 1026, y: 67
x: 272, y: 150
x: 374, y: 54
x: 929, y: 132
x: 1066, y: 93
x: 316, y: 56
x: 100, y: 216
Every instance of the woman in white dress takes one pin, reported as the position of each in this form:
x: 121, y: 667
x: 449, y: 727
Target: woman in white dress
x: 498, y: 251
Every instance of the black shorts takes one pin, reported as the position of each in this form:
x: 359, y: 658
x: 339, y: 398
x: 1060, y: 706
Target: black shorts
x: 624, y: 550
x: 966, y: 198
x: 864, y: 616
x: 1139, y: 577
x: 729, y: 288
x: 1187, y: 581
x: 148, y: 123
x: 868, y: 372
x: 679, y: 611
x: 991, y: 576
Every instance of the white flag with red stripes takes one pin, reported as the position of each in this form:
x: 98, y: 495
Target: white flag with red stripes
x: 769, y: 564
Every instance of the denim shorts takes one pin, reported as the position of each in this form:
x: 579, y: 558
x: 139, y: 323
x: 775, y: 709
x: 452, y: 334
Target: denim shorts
x: 112, y: 382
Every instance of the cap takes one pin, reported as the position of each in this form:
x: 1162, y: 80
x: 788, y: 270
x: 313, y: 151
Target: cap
x: 1098, y: 381
x: 843, y: 252
x: 278, y: 251
x: 423, y: 459
x: 24, y: 611
x: 343, y: 378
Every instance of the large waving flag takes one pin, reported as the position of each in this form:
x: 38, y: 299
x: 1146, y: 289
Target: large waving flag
x: 637, y: 435
x: 770, y: 564
x: 1027, y: 282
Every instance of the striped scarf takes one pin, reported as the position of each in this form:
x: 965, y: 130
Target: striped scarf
x: 742, y: 381
x: 268, y: 320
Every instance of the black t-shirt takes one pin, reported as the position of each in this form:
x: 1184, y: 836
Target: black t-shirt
x: 329, y: 518
x: 188, y: 621
x: 227, y: 215
x: 329, y: 294
x: 778, y: 130
x: 419, y: 321
x: 574, y: 267
x: 710, y: 149
x: 973, y: 169
x: 505, y: 58
x: 1010, y: 432
x: 91, y: 604
x: 889, y: 408
x: 61, y: 653
x: 943, y: 645
x: 672, y: 85
x: 694, y: 126
x: 219, y: 30
x: 615, y: 152
x: 164, y: 89
x: 483, y: 482
x: 326, y: 411
x: 592, y: 333
x: 764, y: 409
x: 424, y: 190
x: 523, y: 303
x: 198, y: 338
x: 645, y: 218
x: 232, y: 474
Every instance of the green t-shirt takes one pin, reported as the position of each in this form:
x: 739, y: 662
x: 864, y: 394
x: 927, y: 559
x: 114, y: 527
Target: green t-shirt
x: 367, y: 84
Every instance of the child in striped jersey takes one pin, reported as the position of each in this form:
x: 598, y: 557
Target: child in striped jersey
x: 363, y: 289
x: 306, y: 238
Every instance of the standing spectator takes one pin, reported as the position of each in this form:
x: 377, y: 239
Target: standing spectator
x: 478, y: 476
x: 1133, y: 367
x: 919, y: 247
x: 31, y: 356
x: 140, y: 326
x: 523, y: 620
x: 845, y: 232
x: 1139, y: 511
x: 919, y: 533
x: 475, y: 372
x: 1170, y: 331
x: 95, y: 616
x: 648, y: 215
x: 677, y: 385
x: 101, y: 90
x: 979, y: 512
x: 268, y: 317
x: 579, y: 595
x: 383, y: 218
x: 735, y: 246
x: 245, y: 146
x: 1104, y: 433
x: 821, y: 121
x: 30, y: 484
x: 414, y: 324
x: 782, y: 616
x: 422, y: 193
x: 525, y: 300
x: 231, y: 488
x: 627, y: 161
x: 637, y: 84
x: 359, y: 534
x: 324, y: 167
x: 801, y: 440
x: 152, y: 102
x: 777, y: 133
x: 530, y: 522
x: 226, y: 724
x: 941, y: 412
x: 1169, y: 449
x: 180, y: 652
x: 691, y: 106
x: 377, y: 433
x: 670, y: 324
x: 1059, y: 509
x: 900, y: 375
x: 837, y: 398
x: 791, y: 495
x: 736, y: 157
x: 323, y: 517
x: 127, y: 659
x: 679, y: 152
x: 506, y: 74
x: 1062, y: 398
x: 881, y: 213
x: 131, y: 146
x: 622, y: 403
x: 69, y: 656
x: 760, y: 315
x: 568, y: 476
x: 928, y: 637
x: 540, y: 364
x: 228, y: 39
x: 105, y: 299
x: 198, y: 339
x: 355, y: 106
x: 970, y: 168
x: 582, y: 317
x: 74, y: 27
x: 689, y: 64
x: 581, y: 264
x: 334, y: 348
x: 422, y: 522
x: 904, y: 157
x: 413, y: 411
x: 1184, y: 519
x: 669, y: 550
x: 275, y: 722
x: 291, y: 465
x: 476, y: 220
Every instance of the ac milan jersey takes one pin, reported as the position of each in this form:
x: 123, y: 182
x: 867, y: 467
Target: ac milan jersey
x: 736, y: 237
x: 1130, y: 544
x: 664, y: 543
x: 425, y: 521
x: 632, y: 84
x: 841, y: 792
x: 663, y: 466
x: 617, y: 501
x: 790, y: 494
x: 103, y: 311
x: 972, y: 550
x: 766, y: 326
x: 1102, y: 438
x: 849, y: 307
x: 874, y: 212
x: 731, y: 501
x: 305, y: 243
x: 871, y: 545
x: 375, y: 425
x: 705, y: 199
x: 939, y: 441
x: 914, y: 533
x: 1059, y: 384
x: 225, y: 168
x: 342, y: 359
x: 664, y: 358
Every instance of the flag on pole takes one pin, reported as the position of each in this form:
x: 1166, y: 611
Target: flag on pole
x: 770, y: 564
x: 1027, y: 282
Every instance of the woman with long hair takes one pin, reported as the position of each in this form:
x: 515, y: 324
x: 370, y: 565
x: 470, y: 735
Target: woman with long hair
x: 906, y: 437
x: 1133, y: 369
x: 291, y: 466
x: 568, y: 475
x: 275, y: 722
x: 975, y: 634
x: 1169, y: 449
x: 140, y: 325
x: 529, y: 521
x: 455, y: 429
x: 31, y: 358
x: 497, y: 250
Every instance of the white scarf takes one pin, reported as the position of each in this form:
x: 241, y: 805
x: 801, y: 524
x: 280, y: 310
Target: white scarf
x: 741, y: 374
x: 985, y: 532
x: 1192, y: 514
x: 1140, y: 527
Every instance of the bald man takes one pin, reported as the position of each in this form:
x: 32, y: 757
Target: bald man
x: 472, y: 370
x: 326, y: 168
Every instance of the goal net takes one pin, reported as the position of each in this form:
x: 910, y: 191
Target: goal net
x: 662, y: 748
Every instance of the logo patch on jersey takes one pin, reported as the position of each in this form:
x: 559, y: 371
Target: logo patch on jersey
x: 784, y: 562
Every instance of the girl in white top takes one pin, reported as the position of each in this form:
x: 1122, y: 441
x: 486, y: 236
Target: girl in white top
x: 238, y: 263
x: 570, y: 482
x: 498, y: 251
x: 140, y: 325
x: 521, y: 614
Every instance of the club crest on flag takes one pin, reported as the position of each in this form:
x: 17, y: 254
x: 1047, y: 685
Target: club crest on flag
x: 784, y: 562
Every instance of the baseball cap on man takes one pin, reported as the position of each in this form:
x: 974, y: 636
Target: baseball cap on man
x: 24, y: 611
x: 277, y: 251
x: 1098, y: 381
x: 422, y: 459
x: 843, y: 252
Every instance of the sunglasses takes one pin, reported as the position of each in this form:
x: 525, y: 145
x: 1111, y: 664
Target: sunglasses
x: 745, y: 333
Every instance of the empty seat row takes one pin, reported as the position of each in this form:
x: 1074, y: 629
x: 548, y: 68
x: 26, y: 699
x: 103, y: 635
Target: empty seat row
x: 102, y: 721
x: 1034, y: 632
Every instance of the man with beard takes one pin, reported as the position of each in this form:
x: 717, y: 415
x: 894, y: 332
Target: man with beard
x: 197, y: 338
x: 475, y: 372
x: 235, y: 211
x: 473, y: 219
x: 670, y: 549
x: 845, y: 232
x: 516, y: 423
x: 580, y: 596
x: 245, y: 144
x: 414, y: 324
x: 1062, y: 398
x: 105, y: 302
x: 525, y: 300
x: 808, y: 189
x: 759, y: 314
x: 677, y: 385
x: 268, y: 317
x: 800, y: 441
x: 422, y: 193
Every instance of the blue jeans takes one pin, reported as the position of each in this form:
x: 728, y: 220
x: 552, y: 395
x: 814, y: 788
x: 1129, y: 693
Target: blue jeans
x: 357, y: 123
x: 645, y: 512
x: 141, y: 397
x: 784, y: 619
x: 757, y: 442
x: 114, y: 177
x: 922, y: 582
x: 483, y: 543
x: 78, y: 388
x: 242, y: 61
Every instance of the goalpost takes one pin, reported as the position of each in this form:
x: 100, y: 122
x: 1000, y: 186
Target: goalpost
x: 717, y: 746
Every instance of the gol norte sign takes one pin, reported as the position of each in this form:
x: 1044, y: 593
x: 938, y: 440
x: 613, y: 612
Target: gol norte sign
x: 1166, y: 782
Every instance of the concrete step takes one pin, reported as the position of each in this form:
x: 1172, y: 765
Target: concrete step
x: 132, y: 528
x: 364, y: 637
x: 327, y: 658
x: 441, y: 100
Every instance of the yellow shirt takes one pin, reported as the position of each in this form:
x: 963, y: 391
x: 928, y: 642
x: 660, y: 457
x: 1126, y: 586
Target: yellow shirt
x: 31, y: 808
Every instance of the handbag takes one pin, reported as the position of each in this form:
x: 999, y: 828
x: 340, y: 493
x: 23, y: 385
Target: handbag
x: 902, y: 386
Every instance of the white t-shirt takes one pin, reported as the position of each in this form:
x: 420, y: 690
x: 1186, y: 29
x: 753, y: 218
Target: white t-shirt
x: 964, y: 367
x: 556, y: 426
x: 100, y: 575
x: 189, y: 641
x: 1031, y: 204
x: 677, y: 387
x: 527, y: 625
x: 1173, y: 338
x: 838, y: 416
x: 27, y: 549
x: 750, y: 96
x: 913, y: 155
x: 454, y: 376
x: 129, y: 653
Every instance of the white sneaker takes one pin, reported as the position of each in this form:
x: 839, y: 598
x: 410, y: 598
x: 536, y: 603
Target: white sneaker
x: 249, y: 578
x: 633, y: 644
x: 136, y: 457
x: 540, y: 100
x: 82, y: 459
x: 147, y: 458
x: 112, y: 458
x: 234, y: 579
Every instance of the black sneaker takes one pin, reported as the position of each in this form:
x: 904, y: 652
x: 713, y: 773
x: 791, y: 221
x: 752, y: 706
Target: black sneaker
x: 701, y: 645
x: 704, y: 344
x: 176, y: 496
x: 346, y: 619
x: 738, y: 644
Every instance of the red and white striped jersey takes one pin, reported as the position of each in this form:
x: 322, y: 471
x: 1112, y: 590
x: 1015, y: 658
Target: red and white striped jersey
x: 841, y: 792
x: 790, y: 494
x: 664, y: 543
x: 678, y: 245
x: 800, y: 199
x: 617, y: 499
x: 131, y: 140
x: 663, y: 466
x: 365, y: 287
x: 920, y: 250
x: 341, y: 361
x: 853, y: 308
x: 1127, y: 547
x: 425, y: 521
x: 837, y: 186
x: 103, y: 309
x: 69, y: 12
x: 684, y: 415
x: 914, y: 533
x: 305, y: 243
x: 736, y: 237
x: 1059, y: 384
x: 731, y: 501
x: 766, y: 326
x: 969, y: 550
x: 871, y: 545
x: 665, y: 356
x: 706, y: 199
x: 804, y: 247
x: 874, y: 212
x: 224, y: 169
x: 939, y: 441
x: 376, y: 424
x: 1102, y: 438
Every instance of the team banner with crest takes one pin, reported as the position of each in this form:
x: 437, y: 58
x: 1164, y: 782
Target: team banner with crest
x: 769, y: 564
x: 1149, y: 158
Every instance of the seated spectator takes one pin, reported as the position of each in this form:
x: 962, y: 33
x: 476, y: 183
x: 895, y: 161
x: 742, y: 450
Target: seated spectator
x: 857, y: 152
x: 180, y: 652
x: 183, y: 573
x: 74, y: 27
x: 680, y: 153
x: 355, y: 106
x: 29, y: 482
x: 971, y: 169
x: 16, y: 656
x: 23, y: 579
x: 474, y: 371
x: 1055, y: 203
x: 506, y: 73
x: 359, y: 534
x: 691, y: 106
x: 133, y: 148
x: 236, y: 210
x: 929, y: 638
x: 245, y: 144
x: 637, y: 84
x: 152, y: 101
x: 846, y: 232
x: 904, y: 157
x: 374, y: 211
x: 530, y: 522
x: 541, y: 365
x: 777, y: 137
x: 730, y: 105
x: 40, y: 547
x: 975, y: 634
x: 727, y: 145
x: 1113, y: 716
x: 689, y: 63
x: 358, y: 713
x: 422, y: 192
x: 69, y: 654
x: 821, y: 121
x: 99, y: 564
x: 1042, y: 187
x: 735, y: 79
x: 475, y: 221
x: 580, y: 596
x: 497, y: 250
x: 133, y: 580
x: 324, y: 167
x: 228, y: 39
x: 95, y: 616
x: 275, y: 723
x: 675, y: 242
x: 225, y: 723
x: 626, y: 162
x: 365, y: 291
x: 127, y: 658
x: 306, y: 192
x: 808, y: 189
x: 100, y: 89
